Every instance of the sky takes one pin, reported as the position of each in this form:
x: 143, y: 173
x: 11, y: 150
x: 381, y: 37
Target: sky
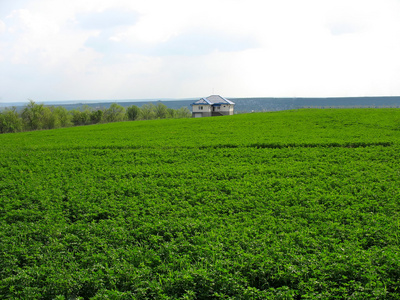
x: 54, y: 50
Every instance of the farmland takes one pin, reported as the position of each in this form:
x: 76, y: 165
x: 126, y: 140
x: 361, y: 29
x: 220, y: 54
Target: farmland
x: 300, y: 204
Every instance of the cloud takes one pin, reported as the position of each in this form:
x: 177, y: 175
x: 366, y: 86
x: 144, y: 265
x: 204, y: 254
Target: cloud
x: 8, y: 6
x: 103, y: 43
x: 115, y: 45
x: 342, y: 28
x: 2, y: 27
x: 202, y: 42
x: 191, y: 43
x: 127, y: 49
x: 110, y: 25
x: 107, y: 19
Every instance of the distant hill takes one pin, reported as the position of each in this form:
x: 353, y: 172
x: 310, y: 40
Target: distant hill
x: 244, y: 105
x: 277, y: 104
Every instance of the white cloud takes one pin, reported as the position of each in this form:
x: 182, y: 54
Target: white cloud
x: 2, y: 27
x: 110, y: 18
x: 178, y: 48
x: 2, y: 44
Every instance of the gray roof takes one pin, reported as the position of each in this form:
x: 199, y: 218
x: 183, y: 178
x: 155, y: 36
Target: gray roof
x: 213, y: 99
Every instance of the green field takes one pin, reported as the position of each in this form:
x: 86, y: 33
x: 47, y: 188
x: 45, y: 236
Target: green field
x: 301, y: 204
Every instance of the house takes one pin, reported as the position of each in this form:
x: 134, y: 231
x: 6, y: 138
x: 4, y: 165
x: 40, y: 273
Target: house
x: 212, y: 106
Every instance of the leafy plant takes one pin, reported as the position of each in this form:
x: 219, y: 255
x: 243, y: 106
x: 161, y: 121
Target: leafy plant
x: 288, y: 205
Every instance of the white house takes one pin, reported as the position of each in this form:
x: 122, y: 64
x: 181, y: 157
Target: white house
x: 212, y: 106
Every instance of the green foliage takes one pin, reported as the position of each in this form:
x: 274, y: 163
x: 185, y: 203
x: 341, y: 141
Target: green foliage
x: 181, y: 113
x: 63, y: 116
x: 148, y: 112
x: 10, y: 121
x: 115, y: 113
x: 37, y: 116
x: 33, y: 116
x: 81, y: 116
x: 49, y: 119
x: 96, y: 116
x: 288, y: 205
x: 132, y: 112
x: 161, y: 111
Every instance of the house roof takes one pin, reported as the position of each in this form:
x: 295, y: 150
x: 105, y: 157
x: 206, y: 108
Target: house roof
x: 213, y: 99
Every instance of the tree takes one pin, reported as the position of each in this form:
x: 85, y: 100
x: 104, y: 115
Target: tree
x: 161, y: 111
x: 132, y: 112
x: 96, y: 116
x: 171, y: 113
x: 64, y: 117
x: 49, y: 119
x: 81, y: 116
x: 10, y: 120
x: 115, y: 113
x: 147, y: 112
x: 182, y: 112
x: 32, y: 115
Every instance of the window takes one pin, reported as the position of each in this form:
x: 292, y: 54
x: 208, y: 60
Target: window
x: 201, y: 107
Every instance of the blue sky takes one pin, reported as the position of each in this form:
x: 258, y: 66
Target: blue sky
x: 146, y: 49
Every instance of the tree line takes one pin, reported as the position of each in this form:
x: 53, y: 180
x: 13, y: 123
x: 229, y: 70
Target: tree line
x: 36, y: 116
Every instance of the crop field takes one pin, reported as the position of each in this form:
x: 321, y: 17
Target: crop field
x: 301, y: 204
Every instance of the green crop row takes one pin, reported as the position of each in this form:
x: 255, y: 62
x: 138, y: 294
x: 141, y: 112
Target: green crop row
x: 291, y: 128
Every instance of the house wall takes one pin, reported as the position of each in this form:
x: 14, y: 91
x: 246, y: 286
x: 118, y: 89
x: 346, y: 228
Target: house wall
x: 208, y: 110
x: 224, y: 109
x: 227, y: 108
x: 201, y: 108
x: 201, y: 114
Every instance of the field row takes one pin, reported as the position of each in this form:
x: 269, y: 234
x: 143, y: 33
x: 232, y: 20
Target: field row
x: 280, y: 129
